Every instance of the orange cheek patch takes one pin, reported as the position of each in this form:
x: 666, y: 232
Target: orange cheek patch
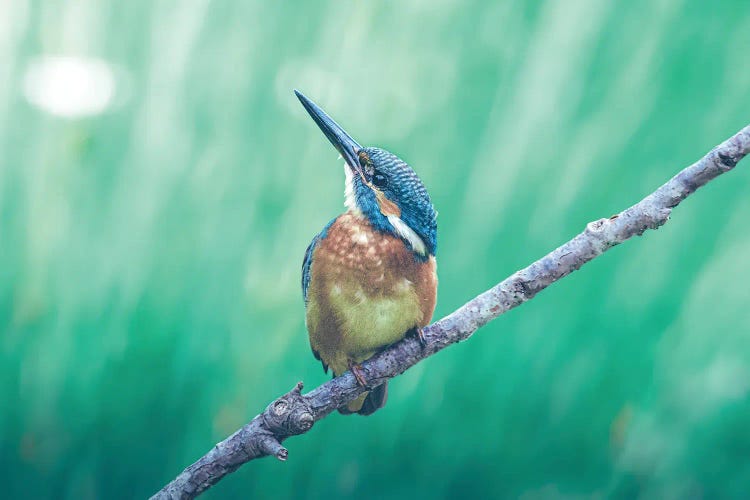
x: 387, y: 207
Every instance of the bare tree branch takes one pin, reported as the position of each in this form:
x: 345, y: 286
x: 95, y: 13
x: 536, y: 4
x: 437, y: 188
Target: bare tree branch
x: 295, y: 413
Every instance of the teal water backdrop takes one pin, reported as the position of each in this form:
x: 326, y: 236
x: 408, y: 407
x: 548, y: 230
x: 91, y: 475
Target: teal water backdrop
x: 159, y: 183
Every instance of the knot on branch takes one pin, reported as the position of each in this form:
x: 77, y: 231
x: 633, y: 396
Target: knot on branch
x: 596, y: 227
x: 598, y: 236
x: 290, y: 414
x: 726, y: 161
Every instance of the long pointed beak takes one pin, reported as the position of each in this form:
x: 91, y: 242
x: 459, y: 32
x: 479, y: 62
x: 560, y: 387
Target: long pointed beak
x: 342, y: 141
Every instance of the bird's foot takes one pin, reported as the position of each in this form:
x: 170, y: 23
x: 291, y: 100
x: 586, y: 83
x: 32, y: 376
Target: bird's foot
x: 419, y: 332
x: 358, y: 373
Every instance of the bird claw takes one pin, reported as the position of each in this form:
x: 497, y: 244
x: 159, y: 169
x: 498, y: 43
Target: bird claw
x: 420, y: 337
x: 358, y: 373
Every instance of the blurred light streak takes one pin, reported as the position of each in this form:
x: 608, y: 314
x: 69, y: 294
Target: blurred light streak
x: 69, y: 86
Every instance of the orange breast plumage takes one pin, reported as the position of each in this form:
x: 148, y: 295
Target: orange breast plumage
x: 367, y: 290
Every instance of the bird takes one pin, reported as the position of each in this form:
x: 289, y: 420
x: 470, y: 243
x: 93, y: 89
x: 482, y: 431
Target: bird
x: 369, y: 278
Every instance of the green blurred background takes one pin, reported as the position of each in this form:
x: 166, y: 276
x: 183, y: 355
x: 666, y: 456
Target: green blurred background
x: 159, y: 183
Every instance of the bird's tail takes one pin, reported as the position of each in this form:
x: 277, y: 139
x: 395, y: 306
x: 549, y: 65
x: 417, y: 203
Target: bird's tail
x: 368, y: 403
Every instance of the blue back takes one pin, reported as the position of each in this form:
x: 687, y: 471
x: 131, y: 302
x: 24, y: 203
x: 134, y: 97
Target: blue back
x: 307, y: 262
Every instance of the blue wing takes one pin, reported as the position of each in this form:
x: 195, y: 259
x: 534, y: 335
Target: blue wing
x: 307, y: 263
x: 306, y: 266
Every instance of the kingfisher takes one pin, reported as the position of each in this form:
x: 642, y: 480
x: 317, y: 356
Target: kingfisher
x: 369, y: 277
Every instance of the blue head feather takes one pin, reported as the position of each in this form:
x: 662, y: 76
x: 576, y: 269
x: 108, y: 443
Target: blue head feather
x: 387, y: 173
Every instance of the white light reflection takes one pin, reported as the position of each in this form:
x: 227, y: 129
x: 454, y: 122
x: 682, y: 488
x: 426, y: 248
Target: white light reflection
x: 69, y: 86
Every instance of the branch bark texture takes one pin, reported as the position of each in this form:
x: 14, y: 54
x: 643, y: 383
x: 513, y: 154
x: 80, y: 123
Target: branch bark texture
x: 294, y: 413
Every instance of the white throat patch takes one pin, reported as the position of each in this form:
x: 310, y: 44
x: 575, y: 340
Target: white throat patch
x: 408, y: 234
x: 350, y: 200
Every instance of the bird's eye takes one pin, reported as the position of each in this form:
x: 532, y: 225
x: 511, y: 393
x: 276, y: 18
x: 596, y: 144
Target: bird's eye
x: 379, y: 180
x: 364, y: 159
